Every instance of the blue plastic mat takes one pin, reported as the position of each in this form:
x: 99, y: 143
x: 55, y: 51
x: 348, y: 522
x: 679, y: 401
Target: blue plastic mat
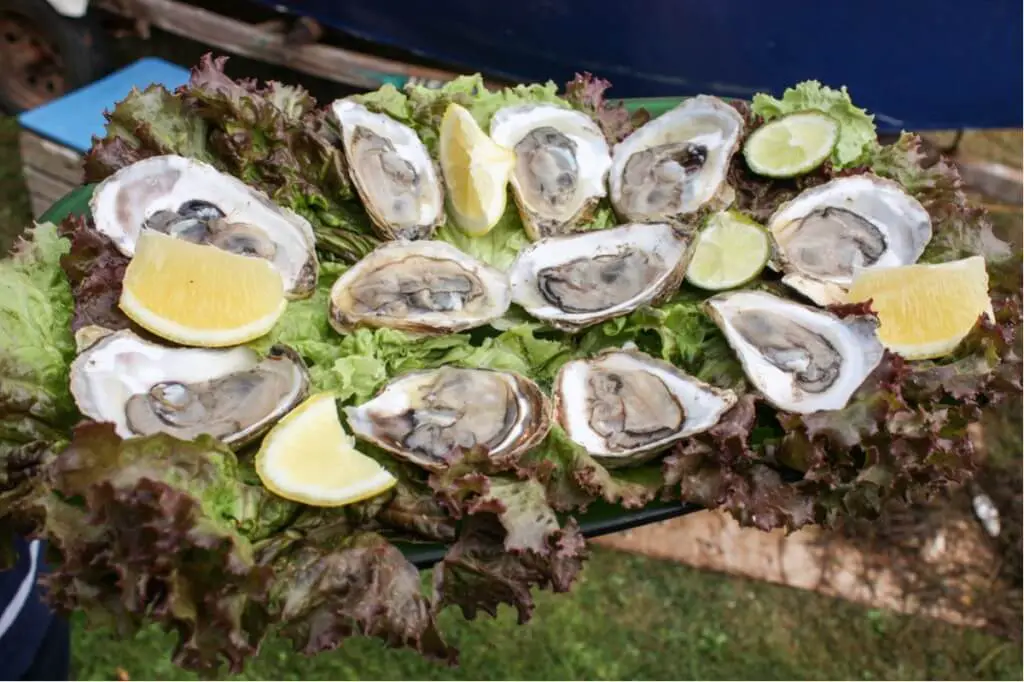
x: 73, y: 119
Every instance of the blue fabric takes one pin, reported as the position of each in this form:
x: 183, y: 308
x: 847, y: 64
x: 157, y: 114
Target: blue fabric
x: 72, y: 120
x: 24, y: 634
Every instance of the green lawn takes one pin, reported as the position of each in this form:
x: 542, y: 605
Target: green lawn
x: 628, y: 618
x: 631, y: 618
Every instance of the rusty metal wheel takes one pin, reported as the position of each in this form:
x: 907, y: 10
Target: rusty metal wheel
x: 33, y: 70
x: 44, y: 55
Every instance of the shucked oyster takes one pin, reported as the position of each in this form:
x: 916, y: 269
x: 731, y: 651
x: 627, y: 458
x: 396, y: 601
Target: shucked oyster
x: 802, y: 359
x: 578, y: 280
x: 145, y: 388
x: 562, y: 162
x: 827, y: 233
x: 625, y: 406
x: 392, y: 171
x: 430, y: 416
x: 676, y: 164
x: 194, y: 201
x: 428, y: 287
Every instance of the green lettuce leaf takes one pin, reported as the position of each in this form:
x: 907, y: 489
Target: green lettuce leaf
x: 856, y: 126
x: 331, y: 582
x: 422, y: 108
x: 366, y: 359
x: 510, y: 541
x: 36, y: 408
x: 679, y: 332
x: 95, y: 269
x: 146, y: 123
x: 158, y: 529
x: 586, y: 93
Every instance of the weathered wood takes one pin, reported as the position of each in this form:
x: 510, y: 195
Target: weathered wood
x: 250, y: 40
x: 50, y: 158
x: 44, y: 190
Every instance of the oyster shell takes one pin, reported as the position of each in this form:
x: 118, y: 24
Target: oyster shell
x: 624, y: 406
x: 194, y: 201
x: 578, y: 280
x: 829, y: 232
x: 562, y: 162
x: 392, y: 171
x: 676, y: 164
x: 802, y: 359
x: 427, y: 287
x: 427, y: 417
x: 145, y: 388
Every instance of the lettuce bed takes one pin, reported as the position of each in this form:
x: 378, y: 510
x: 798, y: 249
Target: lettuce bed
x: 182, y: 533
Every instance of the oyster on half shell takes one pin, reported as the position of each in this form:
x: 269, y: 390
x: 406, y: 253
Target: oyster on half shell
x: 428, y: 417
x: 145, y: 388
x: 194, y: 201
x: 426, y: 287
x: 829, y: 232
x: 624, y: 406
x: 562, y: 162
x: 575, y: 281
x: 676, y: 164
x: 392, y: 171
x: 800, y: 358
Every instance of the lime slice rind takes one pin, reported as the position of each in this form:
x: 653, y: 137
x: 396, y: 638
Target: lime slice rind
x: 791, y: 145
x: 731, y: 251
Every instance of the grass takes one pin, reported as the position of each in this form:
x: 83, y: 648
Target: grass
x: 629, y: 617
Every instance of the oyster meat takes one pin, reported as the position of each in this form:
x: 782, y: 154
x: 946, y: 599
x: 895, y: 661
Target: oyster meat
x: 562, y: 162
x: 392, y: 171
x: 676, y: 164
x: 194, y: 201
x: 426, y: 287
x: 800, y: 358
x: 829, y: 232
x: 624, y: 406
x: 428, y: 417
x: 145, y: 388
x: 575, y: 281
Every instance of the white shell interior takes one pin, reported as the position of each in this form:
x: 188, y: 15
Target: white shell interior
x: 703, y: 120
x: 396, y: 398
x: 122, y: 202
x: 659, y: 238
x: 899, y: 217
x: 495, y: 281
x: 407, y: 145
x: 511, y: 124
x: 121, y: 365
x: 703, y: 405
x: 855, y: 339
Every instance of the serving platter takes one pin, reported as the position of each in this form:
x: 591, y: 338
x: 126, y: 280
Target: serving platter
x: 601, y: 518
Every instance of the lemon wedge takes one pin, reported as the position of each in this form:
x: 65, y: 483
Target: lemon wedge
x: 200, y: 295
x: 476, y: 171
x: 308, y: 457
x: 925, y: 311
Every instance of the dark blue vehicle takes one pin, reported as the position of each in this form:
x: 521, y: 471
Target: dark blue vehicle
x: 916, y: 65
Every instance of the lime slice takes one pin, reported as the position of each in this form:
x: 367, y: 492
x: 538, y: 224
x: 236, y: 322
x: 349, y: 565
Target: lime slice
x: 308, y: 457
x: 731, y: 250
x: 791, y: 145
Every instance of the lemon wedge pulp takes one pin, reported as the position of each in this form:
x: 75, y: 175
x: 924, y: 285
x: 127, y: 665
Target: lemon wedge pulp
x: 200, y: 295
x: 476, y: 171
x: 925, y: 311
x: 308, y: 457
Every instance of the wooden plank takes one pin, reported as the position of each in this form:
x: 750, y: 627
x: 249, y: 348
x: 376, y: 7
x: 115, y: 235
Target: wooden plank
x: 40, y: 205
x: 52, y: 159
x: 250, y: 40
x: 45, y: 188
